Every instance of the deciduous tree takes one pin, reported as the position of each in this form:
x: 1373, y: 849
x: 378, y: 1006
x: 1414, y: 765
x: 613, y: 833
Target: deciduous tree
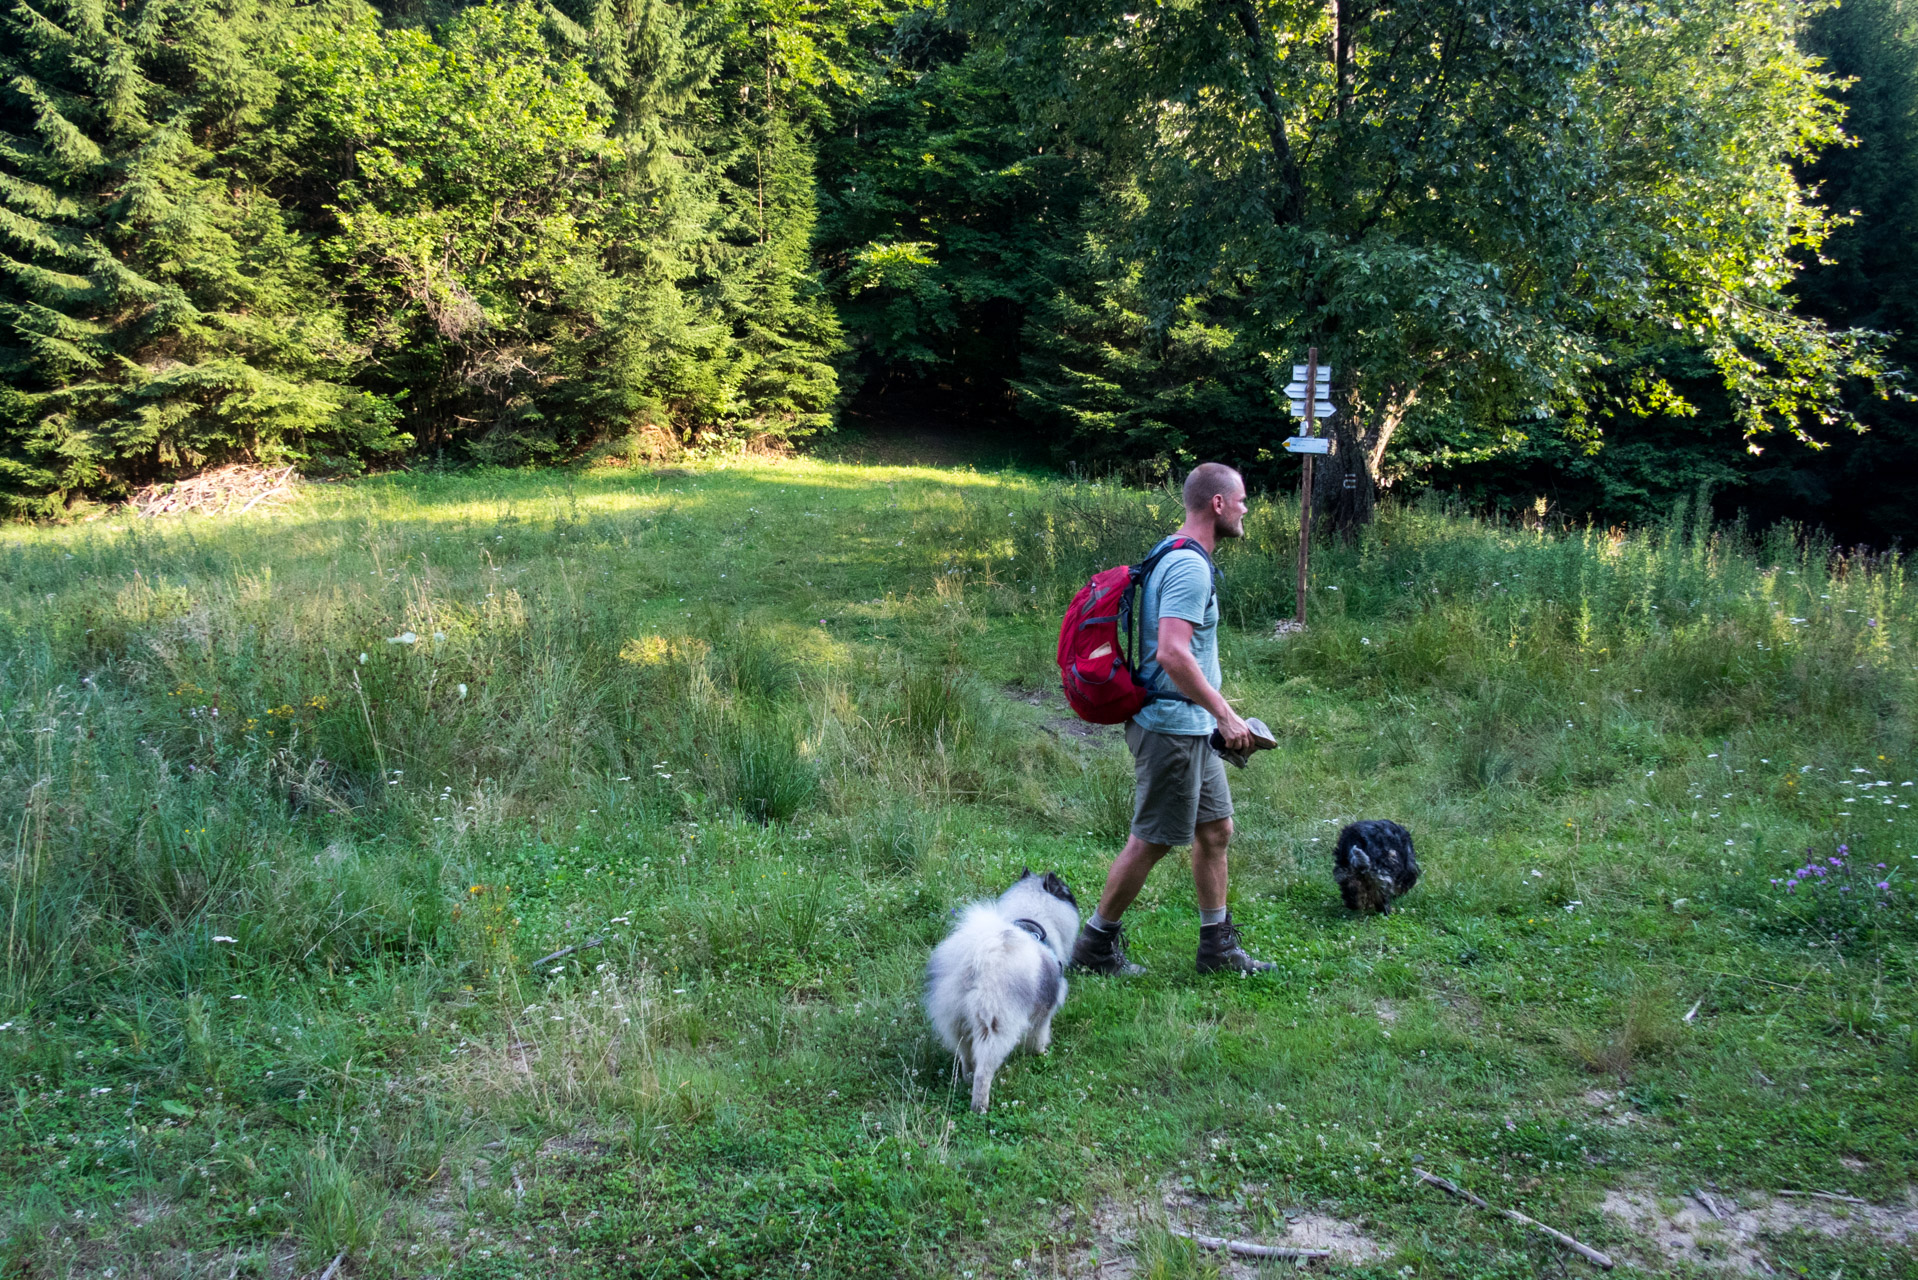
x: 1472, y: 210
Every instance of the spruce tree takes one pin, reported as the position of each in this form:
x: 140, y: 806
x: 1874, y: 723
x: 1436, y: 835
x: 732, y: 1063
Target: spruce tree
x: 761, y: 129
x: 657, y: 352
x: 788, y: 331
x: 157, y: 310
x: 945, y: 219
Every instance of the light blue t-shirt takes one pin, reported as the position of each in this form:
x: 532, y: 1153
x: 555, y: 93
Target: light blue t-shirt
x: 1179, y: 587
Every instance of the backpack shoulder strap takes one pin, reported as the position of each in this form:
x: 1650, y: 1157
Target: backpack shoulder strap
x: 1178, y: 543
x: 1181, y: 543
x: 1131, y: 617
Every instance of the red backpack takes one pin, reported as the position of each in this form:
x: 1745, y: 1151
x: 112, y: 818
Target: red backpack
x: 1101, y: 680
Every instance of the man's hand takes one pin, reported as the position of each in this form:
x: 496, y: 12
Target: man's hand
x: 1234, y: 730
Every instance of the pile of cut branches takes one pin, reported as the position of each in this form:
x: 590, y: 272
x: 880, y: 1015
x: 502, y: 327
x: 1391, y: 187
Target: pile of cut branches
x: 234, y: 489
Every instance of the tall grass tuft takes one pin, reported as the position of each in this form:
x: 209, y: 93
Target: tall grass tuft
x: 334, y: 1212
x: 1648, y: 1026
x: 769, y: 776
x: 1105, y: 797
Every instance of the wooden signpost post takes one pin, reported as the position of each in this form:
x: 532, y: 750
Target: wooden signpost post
x: 1309, y: 380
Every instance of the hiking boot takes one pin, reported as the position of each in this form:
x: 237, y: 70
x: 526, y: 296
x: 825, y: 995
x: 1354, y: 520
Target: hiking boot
x: 1219, y: 950
x: 1097, y: 951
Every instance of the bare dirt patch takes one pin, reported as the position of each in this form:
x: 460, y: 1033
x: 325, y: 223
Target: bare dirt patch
x: 1116, y: 1224
x: 1728, y: 1232
x: 1613, y: 1108
x: 1463, y: 1011
x: 1059, y: 721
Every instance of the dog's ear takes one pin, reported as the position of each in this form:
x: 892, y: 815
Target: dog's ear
x: 1057, y: 888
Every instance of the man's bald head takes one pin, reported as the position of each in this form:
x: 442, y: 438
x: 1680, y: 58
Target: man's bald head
x: 1209, y: 480
x: 1215, y: 499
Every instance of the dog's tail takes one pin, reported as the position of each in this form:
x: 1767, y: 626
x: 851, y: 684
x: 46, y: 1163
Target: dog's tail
x: 986, y: 1015
x: 995, y: 1029
x: 992, y: 1044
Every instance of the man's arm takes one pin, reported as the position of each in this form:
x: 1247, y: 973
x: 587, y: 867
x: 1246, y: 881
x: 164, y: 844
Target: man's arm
x: 1175, y: 656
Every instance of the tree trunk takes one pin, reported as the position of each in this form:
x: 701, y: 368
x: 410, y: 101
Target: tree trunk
x: 1346, y: 483
x: 1344, y: 490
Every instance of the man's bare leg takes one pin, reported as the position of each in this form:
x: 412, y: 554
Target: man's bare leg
x: 1099, y: 947
x: 1209, y: 843
x: 1128, y: 874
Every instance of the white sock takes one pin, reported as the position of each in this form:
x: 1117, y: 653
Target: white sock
x: 1099, y: 924
x: 1214, y: 915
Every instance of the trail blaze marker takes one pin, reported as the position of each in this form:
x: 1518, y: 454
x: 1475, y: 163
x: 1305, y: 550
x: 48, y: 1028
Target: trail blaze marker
x: 1309, y: 381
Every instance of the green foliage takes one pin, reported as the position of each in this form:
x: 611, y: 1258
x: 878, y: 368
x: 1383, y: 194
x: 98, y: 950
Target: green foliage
x: 1103, y: 375
x: 466, y: 202
x: 1471, y: 225
x: 1853, y: 483
x: 283, y: 234
x: 536, y: 268
x: 512, y: 231
x: 160, y: 309
x: 944, y: 219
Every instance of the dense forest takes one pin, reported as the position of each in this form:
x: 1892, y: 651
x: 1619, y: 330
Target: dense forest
x: 1599, y: 254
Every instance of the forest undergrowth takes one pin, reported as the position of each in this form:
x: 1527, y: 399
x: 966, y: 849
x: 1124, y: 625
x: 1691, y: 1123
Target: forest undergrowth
x: 301, y: 805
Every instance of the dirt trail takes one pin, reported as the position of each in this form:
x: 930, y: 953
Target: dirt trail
x: 1728, y: 1232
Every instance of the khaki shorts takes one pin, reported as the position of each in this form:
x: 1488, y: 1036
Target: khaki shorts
x: 1181, y: 784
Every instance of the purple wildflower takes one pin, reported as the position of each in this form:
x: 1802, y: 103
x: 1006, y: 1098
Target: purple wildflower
x: 1844, y: 849
x: 1885, y: 885
x: 1836, y: 863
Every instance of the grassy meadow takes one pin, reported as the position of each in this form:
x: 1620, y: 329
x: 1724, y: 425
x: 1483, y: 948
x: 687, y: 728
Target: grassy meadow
x: 296, y: 801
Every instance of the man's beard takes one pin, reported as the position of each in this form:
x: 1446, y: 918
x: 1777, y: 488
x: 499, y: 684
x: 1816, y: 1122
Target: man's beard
x: 1236, y: 529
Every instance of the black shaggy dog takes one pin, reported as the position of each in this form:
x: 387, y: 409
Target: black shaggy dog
x: 1373, y: 864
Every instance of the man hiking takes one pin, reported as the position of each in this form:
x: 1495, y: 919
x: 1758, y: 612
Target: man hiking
x: 1182, y: 794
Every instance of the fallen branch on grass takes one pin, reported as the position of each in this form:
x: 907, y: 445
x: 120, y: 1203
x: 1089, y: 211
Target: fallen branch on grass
x: 333, y: 1267
x: 563, y: 952
x: 1710, y: 1203
x: 1245, y: 1250
x: 231, y: 489
x: 1582, y: 1250
x: 1824, y: 1195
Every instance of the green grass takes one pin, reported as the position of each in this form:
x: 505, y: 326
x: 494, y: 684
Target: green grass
x: 276, y: 876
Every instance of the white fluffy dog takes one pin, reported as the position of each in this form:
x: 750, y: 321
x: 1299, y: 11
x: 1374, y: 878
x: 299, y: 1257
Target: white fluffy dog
x: 999, y: 976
